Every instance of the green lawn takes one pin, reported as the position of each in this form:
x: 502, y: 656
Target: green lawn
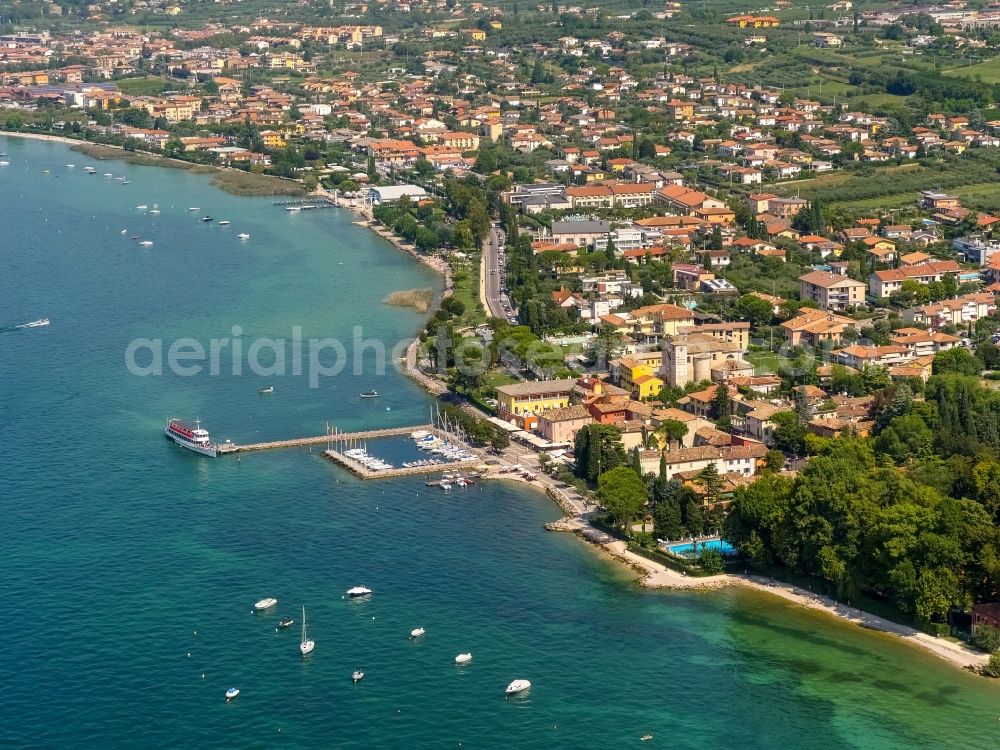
x: 151, y: 86
x: 989, y: 71
x: 767, y: 362
x: 466, y: 278
x: 872, y: 204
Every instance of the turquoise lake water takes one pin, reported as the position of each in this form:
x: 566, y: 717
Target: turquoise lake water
x: 129, y: 566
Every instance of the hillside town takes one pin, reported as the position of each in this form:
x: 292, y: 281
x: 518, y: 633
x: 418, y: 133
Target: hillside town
x: 669, y: 252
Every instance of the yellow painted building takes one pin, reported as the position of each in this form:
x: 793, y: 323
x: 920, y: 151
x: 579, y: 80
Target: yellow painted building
x: 272, y: 139
x: 521, y: 402
x: 638, y: 379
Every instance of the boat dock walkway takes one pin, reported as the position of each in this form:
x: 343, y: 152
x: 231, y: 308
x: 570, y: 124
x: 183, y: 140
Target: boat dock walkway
x: 360, y: 470
x: 313, y: 201
x: 340, y: 437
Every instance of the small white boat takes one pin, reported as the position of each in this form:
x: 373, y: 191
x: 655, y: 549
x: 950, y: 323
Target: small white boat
x: 4, y: 163
x: 417, y: 632
x: 266, y: 389
x: 108, y: 174
x: 368, y: 394
x: 232, y: 693
x: 463, y: 658
x: 517, y: 686
x: 141, y: 207
x: 293, y: 209
x: 154, y: 211
x: 358, y: 675
x: 146, y: 243
x: 243, y: 236
x: 285, y: 622
x: 124, y: 231
x: 46, y: 171
x: 225, y: 223
x: 124, y: 182
x: 307, y: 645
x: 71, y: 166
x: 194, y: 208
x: 265, y: 603
x: 358, y: 591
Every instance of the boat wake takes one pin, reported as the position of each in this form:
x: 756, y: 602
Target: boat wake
x: 40, y: 323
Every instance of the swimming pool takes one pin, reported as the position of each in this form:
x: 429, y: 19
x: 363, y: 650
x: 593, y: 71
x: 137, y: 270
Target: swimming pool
x: 687, y: 550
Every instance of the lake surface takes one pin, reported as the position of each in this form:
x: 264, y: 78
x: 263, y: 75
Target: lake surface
x: 129, y: 566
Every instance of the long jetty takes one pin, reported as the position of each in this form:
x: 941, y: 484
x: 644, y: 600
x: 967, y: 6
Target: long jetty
x: 227, y: 448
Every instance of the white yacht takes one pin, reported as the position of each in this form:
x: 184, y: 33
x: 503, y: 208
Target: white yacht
x: 266, y: 603
x: 417, y: 632
x: 225, y: 223
x: 517, y: 686
x: 307, y: 645
x: 358, y: 675
x: 243, y: 236
x: 463, y: 658
x: 358, y: 591
x: 232, y: 693
x: 146, y: 243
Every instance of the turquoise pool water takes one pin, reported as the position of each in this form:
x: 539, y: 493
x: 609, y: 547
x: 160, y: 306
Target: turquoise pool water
x: 688, y: 549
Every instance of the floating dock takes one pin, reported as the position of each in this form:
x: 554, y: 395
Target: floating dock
x: 360, y: 470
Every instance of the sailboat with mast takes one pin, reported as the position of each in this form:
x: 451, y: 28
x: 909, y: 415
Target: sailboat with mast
x: 307, y: 644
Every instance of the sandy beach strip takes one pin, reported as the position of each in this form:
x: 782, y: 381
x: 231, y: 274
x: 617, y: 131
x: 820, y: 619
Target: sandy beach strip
x: 657, y: 576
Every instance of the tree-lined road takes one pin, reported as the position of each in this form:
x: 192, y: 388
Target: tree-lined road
x: 497, y: 301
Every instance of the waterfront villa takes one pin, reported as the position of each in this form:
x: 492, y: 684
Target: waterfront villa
x: 521, y: 403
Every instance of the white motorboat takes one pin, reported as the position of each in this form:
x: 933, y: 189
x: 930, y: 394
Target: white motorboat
x: 517, y: 686
x: 108, y: 174
x: 232, y: 693
x: 307, y: 645
x: 225, y: 223
x: 71, y: 166
x: 154, y: 211
x: 358, y: 591
x: 243, y: 236
x: 194, y: 208
x: 463, y: 658
x: 146, y: 243
x: 357, y: 675
x: 417, y: 632
x: 4, y: 163
x: 142, y: 207
x: 419, y: 434
x: 265, y: 603
x: 266, y: 389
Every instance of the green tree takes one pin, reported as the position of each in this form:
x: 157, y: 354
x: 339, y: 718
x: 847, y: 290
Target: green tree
x: 711, y: 562
x: 667, y: 520
x: 755, y: 310
x: 986, y: 638
x: 789, y: 433
x: 956, y: 360
x: 992, y: 667
x: 711, y: 482
x: 622, y: 493
x: 671, y: 431
x: 694, y: 517
x: 722, y: 406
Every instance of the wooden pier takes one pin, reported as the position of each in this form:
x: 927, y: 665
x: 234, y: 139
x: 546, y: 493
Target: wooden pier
x: 360, y: 470
x: 340, y: 437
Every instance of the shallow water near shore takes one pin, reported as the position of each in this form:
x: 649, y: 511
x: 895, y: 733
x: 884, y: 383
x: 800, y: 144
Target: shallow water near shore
x: 121, y: 554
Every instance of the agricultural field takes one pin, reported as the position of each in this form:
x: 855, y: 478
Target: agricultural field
x: 151, y: 86
x: 987, y: 72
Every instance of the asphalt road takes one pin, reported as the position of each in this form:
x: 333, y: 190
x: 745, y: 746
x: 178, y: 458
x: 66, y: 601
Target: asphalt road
x: 496, y: 293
